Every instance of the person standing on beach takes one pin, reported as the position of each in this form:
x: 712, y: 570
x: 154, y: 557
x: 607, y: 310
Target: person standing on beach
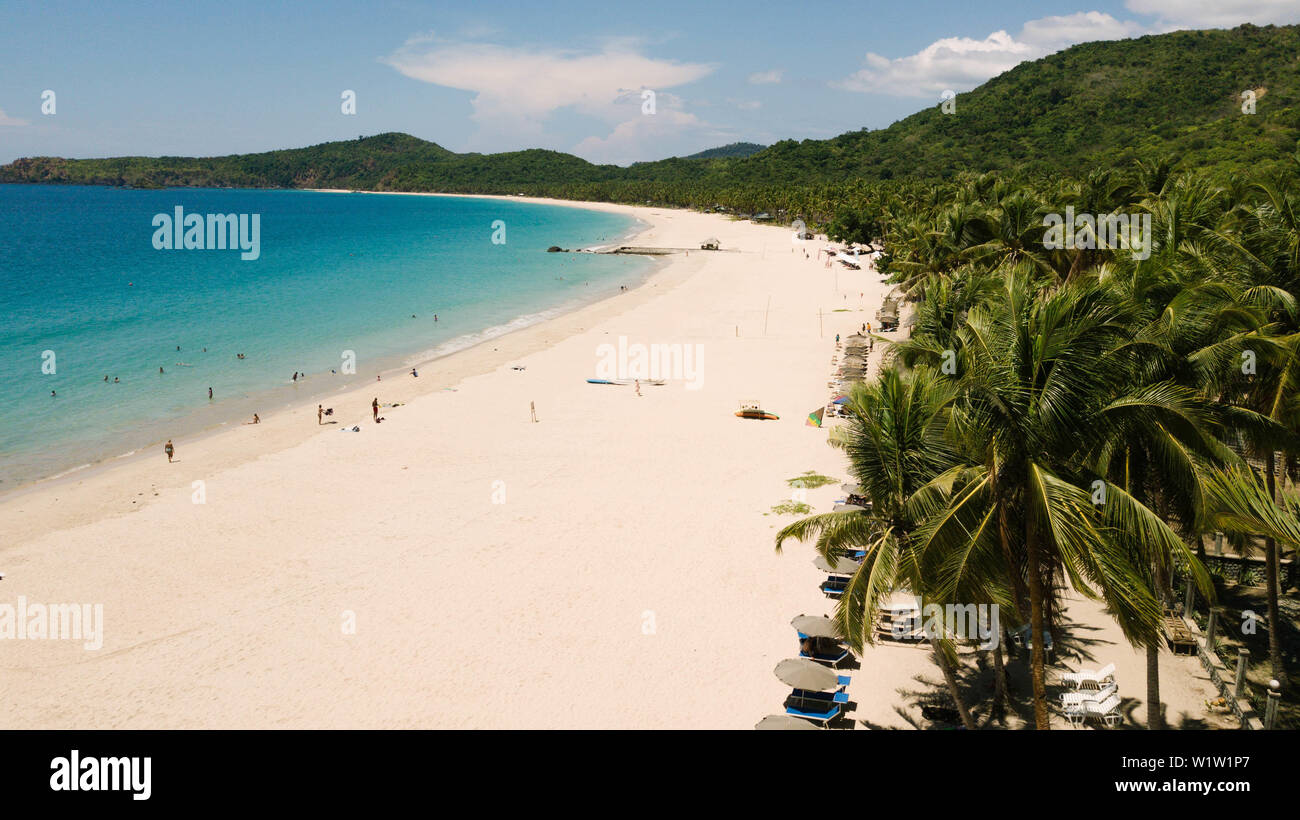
x: 320, y: 414
x: 209, y: 394
x: 374, y: 409
x: 170, y: 450
x: 532, y: 409
x: 638, y: 386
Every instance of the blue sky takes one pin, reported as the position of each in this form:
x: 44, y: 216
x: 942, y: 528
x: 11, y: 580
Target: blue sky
x: 145, y: 78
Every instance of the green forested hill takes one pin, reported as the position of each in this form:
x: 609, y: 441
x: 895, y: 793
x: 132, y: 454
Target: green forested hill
x: 735, y: 149
x: 1093, y: 105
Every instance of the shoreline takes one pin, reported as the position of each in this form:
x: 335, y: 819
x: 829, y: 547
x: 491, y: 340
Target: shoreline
x: 622, y: 543
x: 419, y: 359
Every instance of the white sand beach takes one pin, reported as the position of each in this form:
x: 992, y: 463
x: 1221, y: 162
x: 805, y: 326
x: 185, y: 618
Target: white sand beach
x: 610, y: 565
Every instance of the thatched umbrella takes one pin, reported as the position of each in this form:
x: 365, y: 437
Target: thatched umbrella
x: 807, y: 675
x: 842, y: 566
x: 786, y: 722
x: 816, y: 626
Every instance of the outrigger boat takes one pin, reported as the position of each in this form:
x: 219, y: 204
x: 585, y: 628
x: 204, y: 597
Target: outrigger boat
x: 751, y: 410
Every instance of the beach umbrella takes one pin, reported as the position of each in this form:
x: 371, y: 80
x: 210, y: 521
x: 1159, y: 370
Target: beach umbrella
x: 852, y: 489
x: 785, y: 722
x: 805, y: 674
x: 815, y: 417
x: 816, y: 626
x: 842, y: 566
x: 840, y: 400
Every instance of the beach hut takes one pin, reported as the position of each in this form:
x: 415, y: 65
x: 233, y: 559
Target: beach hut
x: 710, y: 244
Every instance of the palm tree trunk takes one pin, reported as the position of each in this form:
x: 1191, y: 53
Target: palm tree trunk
x: 950, y: 678
x: 1155, y: 711
x: 1038, y: 673
x: 1000, y: 694
x: 1271, y: 581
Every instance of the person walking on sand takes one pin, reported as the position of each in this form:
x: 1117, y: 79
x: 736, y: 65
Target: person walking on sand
x: 169, y: 450
x: 209, y: 394
x: 374, y: 409
x: 532, y: 410
x: 638, y: 386
x: 320, y: 414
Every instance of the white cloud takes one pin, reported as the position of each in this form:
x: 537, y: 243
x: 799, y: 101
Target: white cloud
x: 749, y: 105
x: 766, y: 77
x: 1055, y: 33
x: 6, y: 120
x: 643, y: 136
x: 516, y: 89
x: 961, y: 63
x: 1218, y: 13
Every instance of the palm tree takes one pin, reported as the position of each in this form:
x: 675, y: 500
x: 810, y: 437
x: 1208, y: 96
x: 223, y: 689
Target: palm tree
x: 896, y: 443
x: 1261, y: 242
x: 1036, y: 381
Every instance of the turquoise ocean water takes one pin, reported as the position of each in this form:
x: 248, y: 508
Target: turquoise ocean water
x: 85, y: 294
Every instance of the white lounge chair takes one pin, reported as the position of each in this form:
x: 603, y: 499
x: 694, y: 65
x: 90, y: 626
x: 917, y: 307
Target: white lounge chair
x: 1089, y: 677
x: 1077, y: 696
x: 1108, y: 709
